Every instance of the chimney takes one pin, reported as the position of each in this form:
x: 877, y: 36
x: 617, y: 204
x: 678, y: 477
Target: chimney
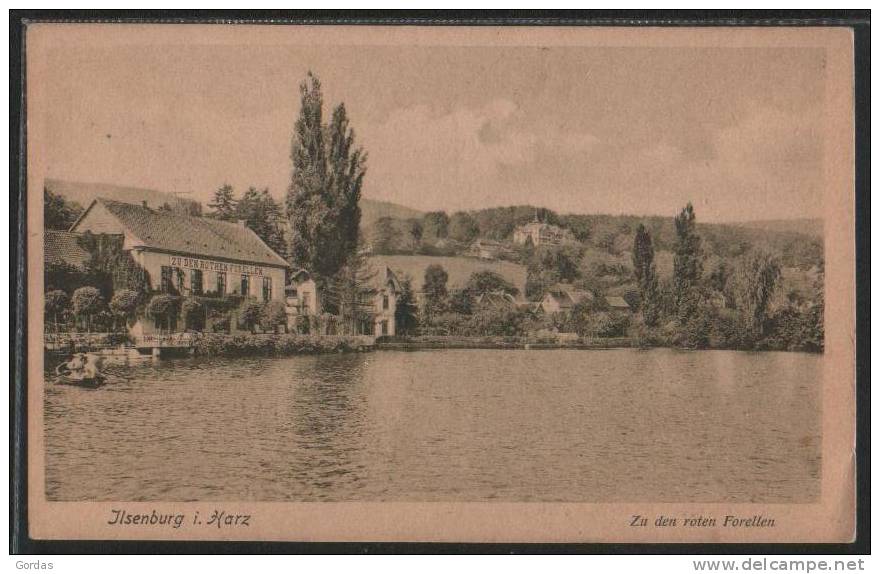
x: 242, y: 222
x: 144, y: 203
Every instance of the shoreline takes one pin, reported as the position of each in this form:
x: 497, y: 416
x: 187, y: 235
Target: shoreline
x: 280, y: 345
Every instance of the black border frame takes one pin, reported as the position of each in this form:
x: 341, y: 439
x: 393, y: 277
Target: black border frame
x: 857, y: 20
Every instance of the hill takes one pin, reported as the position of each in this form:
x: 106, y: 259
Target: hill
x: 811, y: 227
x: 83, y: 193
x: 372, y: 210
x: 458, y: 268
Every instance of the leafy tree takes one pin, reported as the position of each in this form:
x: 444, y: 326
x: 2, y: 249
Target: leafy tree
x: 406, y: 315
x: 461, y: 301
x: 274, y: 314
x: 162, y: 309
x: 687, y: 264
x: 308, y: 192
x: 224, y: 204
x: 646, y: 275
x: 756, y: 281
x: 56, y: 305
x: 498, y: 322
x: 58, y: 213
x: 124, y: 304
x: 193, y: 313
x: 434, y: 289
x: 416, y: 230
x: 324, y: 194
x: 482, y: 282
x: 249, y: 314
x: 463, y: 227
x: 349, y: 292
x: 385, y: 236
x: 347, y: 172
x: 87, y: 302
x: 436, y: 224
x: 262, y: 214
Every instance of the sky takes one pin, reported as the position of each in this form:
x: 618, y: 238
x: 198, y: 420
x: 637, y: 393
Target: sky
x: 736, y: 131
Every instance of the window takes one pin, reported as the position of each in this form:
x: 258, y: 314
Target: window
x: 180, y: 279
x: 245, y: 286
x: 166, y: 284
x: 384, y: 327
x: 305, y: 303
x: 195, y: 281
x: 221, y: 283
x: 267, y: 288
x: 385, y: 302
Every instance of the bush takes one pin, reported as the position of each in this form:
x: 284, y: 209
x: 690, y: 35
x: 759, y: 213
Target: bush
x: 163, y: 310
x: 215, y: 344
x: 193, y: 313
x: 249, y: 314
x: 56, y: 305
x: 274, y: 313
x: 87, y: 302
x: 124, y: 304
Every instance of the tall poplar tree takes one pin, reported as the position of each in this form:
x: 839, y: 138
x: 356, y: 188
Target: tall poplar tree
x: 325, y: 188
x: 687, y: 264
x: 646, y: 275
x: 306, y: 200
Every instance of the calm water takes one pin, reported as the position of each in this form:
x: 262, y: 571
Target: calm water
x: 593, y: 426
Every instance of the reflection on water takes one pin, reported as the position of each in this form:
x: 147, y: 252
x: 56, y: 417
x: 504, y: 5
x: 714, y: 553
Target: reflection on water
x: 465, y: 425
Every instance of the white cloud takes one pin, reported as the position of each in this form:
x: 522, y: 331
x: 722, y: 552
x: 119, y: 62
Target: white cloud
x: 451, y: 158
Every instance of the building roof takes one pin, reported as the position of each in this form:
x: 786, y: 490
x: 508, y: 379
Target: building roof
x: 199, y: 236
x: 382, y: 276
x: 63, y: 248
x: 616, y: 302
x: 496, y: 299
x: 567, y: 296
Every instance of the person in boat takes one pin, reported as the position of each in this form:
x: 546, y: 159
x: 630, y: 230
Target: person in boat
x: 90, y: 368
x: 74, y: 368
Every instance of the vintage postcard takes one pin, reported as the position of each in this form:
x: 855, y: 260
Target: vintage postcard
x: 471, y: 284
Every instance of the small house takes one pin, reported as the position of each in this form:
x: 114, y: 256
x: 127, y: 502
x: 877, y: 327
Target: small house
x: 616, y: 303
x: 562, y: 297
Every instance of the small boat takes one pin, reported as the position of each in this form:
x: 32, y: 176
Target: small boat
x: 90, y: 383
x: 65, y: 377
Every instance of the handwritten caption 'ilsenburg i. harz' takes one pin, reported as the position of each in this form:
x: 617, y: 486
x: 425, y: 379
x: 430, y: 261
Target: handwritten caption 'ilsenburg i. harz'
x: 216, y: 519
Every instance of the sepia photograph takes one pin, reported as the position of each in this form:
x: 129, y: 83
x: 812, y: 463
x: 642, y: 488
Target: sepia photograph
x: 440, y: 284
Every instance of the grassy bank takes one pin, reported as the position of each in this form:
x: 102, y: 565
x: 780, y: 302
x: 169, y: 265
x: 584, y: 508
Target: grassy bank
x: 223, y: 345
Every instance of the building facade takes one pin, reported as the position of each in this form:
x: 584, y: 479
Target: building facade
x: 540, y: 233
x: 189, y: 256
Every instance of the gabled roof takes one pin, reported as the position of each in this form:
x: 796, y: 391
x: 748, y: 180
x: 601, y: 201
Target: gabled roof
x: 496, y: 298
x: 198, y: 236
x: 617, y: 302
x: 62, y: 248
x: 383, y: 277
x: 567, y: 296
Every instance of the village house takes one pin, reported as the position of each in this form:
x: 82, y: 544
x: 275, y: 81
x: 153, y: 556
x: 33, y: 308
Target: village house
x: 562, y: 297
x: 385, y: 291
x: 616, y: 303
x: 488, y: 249
x: 379, y: 306
x: 541, y: 233
x: 302, y: 302
x: 189, y: 256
